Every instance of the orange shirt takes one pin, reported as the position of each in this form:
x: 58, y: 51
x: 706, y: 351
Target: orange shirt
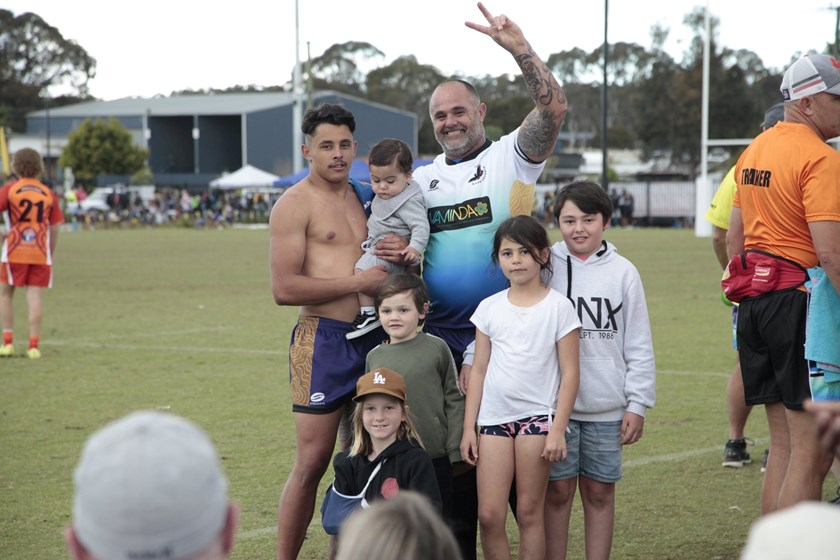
x: 785, y: 179
x: 29, y: 208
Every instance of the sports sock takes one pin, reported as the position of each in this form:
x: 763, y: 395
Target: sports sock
x: 7, y: 337
x: 33, y: 341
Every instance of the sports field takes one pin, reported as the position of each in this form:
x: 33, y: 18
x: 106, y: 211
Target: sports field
x: 184, y: 321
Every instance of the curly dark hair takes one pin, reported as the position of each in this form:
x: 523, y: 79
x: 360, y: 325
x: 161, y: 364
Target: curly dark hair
x: 329, y: 114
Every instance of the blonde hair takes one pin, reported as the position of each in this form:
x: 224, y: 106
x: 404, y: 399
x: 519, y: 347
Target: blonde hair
x: 403, y: 528
x: 361, y: 439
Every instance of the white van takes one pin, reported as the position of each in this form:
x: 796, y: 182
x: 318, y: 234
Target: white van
x: 97, y: 200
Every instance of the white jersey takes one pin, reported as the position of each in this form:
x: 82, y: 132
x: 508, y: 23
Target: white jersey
x: 466, y: 201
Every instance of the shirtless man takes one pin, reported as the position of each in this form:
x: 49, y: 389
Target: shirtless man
x: 316, y: 231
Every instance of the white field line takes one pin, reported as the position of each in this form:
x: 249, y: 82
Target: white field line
x: 157, y: 347
x: 102, y: 342
x: 162, y: 333
x: 693, y: 373
x: 687, y: 454
x: 641, y: 461
x: 256, y: 533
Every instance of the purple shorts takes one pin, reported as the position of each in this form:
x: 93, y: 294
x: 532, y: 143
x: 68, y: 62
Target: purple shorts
x: 324, y: 366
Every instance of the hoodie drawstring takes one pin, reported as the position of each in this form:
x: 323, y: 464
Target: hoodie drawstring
x: 569, y: 269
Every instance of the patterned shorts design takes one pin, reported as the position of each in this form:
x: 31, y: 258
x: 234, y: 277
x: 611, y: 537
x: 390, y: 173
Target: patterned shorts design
x: 530, y: 426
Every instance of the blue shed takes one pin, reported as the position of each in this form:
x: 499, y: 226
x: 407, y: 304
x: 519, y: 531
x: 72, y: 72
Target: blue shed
x: 192, y: 139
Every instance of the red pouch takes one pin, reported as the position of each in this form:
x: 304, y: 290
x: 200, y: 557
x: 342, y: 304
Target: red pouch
x: 757, y: 272
x: 737, y: 278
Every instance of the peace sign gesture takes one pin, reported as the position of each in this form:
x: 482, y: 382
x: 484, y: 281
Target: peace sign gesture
x: 501, y: 29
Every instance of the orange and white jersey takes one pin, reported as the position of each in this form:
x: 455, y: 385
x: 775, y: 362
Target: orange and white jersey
x: 29, y: 209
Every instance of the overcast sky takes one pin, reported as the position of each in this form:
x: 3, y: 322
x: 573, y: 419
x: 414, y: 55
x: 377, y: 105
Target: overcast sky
x: 156, y: 46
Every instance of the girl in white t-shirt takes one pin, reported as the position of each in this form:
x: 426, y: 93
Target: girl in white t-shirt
x: 522, y: 388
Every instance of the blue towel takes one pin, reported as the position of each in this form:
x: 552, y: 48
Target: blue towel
x: 365, y: 194
x: 822, y: 331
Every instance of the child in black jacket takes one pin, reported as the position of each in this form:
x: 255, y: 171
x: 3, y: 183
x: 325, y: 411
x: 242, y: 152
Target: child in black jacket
x: 383, y: 433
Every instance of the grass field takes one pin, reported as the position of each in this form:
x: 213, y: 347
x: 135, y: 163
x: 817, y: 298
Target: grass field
x: 183, y: 321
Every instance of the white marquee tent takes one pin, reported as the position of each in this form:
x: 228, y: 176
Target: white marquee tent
x: 245, y: 177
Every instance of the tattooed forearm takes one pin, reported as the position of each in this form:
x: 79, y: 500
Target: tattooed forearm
x: 539, y: 130
x: 542, y: 86
x: 538, y: 134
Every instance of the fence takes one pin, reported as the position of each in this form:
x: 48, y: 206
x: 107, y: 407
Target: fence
x: 662, y: 203
x: 655, y: 203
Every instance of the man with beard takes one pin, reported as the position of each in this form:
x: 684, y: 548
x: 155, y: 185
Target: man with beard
x: 469, y: 190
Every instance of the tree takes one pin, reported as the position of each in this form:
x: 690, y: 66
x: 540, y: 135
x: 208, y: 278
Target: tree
x: 338, y: 68
x: 668, y: 101
x: 34, y: 56
x: 652, y: 103
x: 101, y: 147
x: 407, y: 85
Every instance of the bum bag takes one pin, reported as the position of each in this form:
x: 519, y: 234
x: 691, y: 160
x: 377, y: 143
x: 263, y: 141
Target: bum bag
x: 755, y: 272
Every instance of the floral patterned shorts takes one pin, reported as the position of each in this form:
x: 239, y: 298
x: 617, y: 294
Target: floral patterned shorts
x: 530, y: 426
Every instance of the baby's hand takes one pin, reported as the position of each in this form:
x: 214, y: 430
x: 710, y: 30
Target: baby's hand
x: 410, y: 255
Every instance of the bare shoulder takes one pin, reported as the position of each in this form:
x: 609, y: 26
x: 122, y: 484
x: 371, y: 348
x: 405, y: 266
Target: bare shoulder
x: 294, y: 195
x: 295, y: 203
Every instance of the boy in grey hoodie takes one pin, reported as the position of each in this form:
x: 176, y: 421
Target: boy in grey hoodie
x: 617, y: 372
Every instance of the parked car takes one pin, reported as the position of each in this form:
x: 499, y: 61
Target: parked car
x: 97, y: 200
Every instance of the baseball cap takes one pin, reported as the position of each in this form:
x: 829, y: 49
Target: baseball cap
x: 811, y: 74
x: 381, y: 381
x: 806, y: 530
x: 149, y: 486
x: 773, y: 115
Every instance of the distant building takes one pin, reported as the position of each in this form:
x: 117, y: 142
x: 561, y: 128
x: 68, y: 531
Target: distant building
x: 192, y: 139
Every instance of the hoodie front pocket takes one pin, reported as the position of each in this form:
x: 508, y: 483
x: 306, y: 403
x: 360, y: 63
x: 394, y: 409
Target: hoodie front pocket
x: 601, y: 386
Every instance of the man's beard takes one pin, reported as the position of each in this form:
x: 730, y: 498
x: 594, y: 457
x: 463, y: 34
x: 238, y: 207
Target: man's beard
x: 473, y: 138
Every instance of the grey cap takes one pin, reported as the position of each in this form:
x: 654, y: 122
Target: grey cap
x: 149, y: 486
x: 773, y: 115
x: 810, y: 75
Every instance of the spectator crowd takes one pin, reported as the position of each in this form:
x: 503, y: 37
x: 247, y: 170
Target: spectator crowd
x: 172, y: 206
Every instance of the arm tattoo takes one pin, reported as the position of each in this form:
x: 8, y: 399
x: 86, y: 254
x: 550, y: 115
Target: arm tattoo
x: 539, y: 130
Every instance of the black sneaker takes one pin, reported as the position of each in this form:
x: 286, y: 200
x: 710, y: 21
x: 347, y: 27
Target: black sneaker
x: 363, y: 324
x: 764, y: 462
x: 735, y: 453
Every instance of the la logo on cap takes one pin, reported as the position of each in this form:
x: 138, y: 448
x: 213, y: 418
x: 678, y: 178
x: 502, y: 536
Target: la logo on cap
x: 378, y: 379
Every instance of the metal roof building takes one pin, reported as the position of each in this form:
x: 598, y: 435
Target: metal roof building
x: 192, y: 139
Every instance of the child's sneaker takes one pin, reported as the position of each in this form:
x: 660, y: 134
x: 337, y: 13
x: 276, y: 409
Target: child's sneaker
x: 735, y: 453
x: 33, y: 353
x: 7, y: 350
x: 363, y: 324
